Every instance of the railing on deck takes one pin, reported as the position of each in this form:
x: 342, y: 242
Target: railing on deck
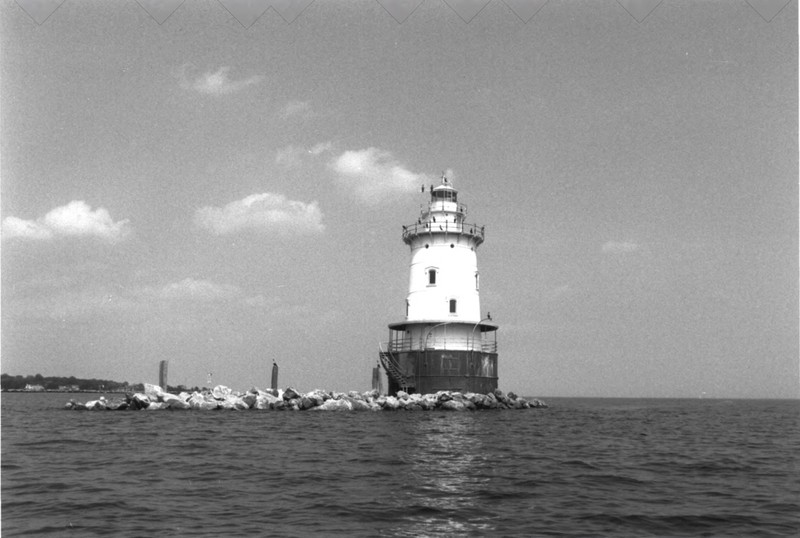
x: 462, y: 228
x: 469, y: 344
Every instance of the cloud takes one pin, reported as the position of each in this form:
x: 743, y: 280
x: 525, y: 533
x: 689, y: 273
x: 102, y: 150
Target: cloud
x: 217, y: 83
x: 296, y: 108
x: 76, y: 219
x: 291, y: 156
x: 619, y: 247
x: 27, y: 229
x: 84, y: 301
x: 322, y: 147
x: 373, y: 174
x: 189, y: 288
x: 261, y: 212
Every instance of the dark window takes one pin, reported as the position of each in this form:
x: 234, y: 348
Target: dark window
x: 452, y: 306
x: 432, y: 276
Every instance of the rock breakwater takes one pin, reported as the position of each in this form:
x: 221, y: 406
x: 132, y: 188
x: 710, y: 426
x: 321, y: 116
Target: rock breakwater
x: 221, y: 397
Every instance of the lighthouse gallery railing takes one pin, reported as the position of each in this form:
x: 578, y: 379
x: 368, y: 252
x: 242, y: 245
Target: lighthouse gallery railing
x: 462, y: 228
x: 440, y: 342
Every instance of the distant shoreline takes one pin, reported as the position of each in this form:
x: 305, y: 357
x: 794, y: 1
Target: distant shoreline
x: 67, y: 391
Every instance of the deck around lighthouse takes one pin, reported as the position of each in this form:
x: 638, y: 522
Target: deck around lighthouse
x: 469, y: 231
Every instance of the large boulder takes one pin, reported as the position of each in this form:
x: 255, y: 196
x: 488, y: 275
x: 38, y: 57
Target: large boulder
x: 77, y: 406
x: 234, y: 402
x: 391, y: 403
x: 169, y: 398
x: 290, y: 394
x: 221, y: 392
x: 334, y: 405
x: 96, y: 405
x: 306, y: 403
x: 250, y: 399
x: 452, y: 405
x: 225, y: 404
x: 358, y: 405
x: 117, y: 404
x: 428, y: 402
x: 154, y: 392
x: 202, y: 401
x: 178, y: 404
x: 371, y: 394
x: 266, y: 400
x: 139, y: 401
x: 317, y: 397
x: 477, y: 399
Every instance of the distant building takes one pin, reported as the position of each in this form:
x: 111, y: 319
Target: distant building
x: 34, y: 388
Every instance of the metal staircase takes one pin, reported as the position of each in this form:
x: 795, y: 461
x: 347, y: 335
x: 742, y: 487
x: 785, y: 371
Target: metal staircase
x: 393, y: 369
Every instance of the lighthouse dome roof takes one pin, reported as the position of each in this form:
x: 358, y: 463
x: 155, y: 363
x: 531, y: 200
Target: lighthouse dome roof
x: 444, y: 191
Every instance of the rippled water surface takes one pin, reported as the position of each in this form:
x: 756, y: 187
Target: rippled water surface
x: 583, y: 467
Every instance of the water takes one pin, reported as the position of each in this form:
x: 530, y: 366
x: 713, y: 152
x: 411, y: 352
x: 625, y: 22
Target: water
x: 584, y: 467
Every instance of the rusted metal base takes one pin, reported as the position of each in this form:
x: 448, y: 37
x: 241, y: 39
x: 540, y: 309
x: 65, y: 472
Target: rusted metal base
x: 432, y: 370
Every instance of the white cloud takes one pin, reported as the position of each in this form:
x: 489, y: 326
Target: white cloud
x: 296, y: 108
x: 291, y: 156
x: 261, y: 212
x: 190, y: 288
x: 619, y: 247
x: 76, y: 219
x: 27, y: 229
x: 373, y: 174
x: 218, y: 83
x: 288, y: 156
x: 322, y: 147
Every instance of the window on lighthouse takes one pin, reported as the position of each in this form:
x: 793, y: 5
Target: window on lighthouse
x: 432, y: 277
x: 452, y: 306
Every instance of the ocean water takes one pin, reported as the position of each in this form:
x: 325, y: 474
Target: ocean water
x: 583, y: 467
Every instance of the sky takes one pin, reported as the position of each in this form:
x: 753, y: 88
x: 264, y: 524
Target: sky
x: 224, y: 185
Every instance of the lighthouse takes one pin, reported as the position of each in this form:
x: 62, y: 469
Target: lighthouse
x: 444, y: 342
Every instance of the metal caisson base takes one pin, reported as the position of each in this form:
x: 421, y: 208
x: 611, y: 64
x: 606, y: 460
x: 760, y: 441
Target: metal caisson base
x: 432, y: 370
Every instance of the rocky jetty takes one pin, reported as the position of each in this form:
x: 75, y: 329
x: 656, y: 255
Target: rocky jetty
x: 221, y: 397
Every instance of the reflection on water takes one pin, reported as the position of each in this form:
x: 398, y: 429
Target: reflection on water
x: 448, y: 461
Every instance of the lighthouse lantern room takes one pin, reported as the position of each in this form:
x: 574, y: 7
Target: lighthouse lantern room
x: 444, y: 343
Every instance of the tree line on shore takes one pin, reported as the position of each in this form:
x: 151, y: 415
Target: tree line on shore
x: 72, y: 383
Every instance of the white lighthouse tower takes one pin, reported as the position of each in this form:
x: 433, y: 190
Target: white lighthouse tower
x: 444, y: 343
